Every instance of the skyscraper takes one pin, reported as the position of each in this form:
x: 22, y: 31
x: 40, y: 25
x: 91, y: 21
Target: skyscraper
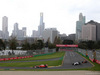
x: 19, y: 33
x: 79, y: 25
x: 16, y: 29
x: 24, y: 31
x: 5, y: 27
x: 41, y: 26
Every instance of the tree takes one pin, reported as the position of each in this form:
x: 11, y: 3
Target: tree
x: 2, y: 44
x: 40, y: 44
x: 51, y: 46
x: 26, y: 45
x: 68, y: 41
x: 82, y: 45
x: 90, y: 44
x: 57, y: 40
x: 13, y: 43
x: 34, y: 46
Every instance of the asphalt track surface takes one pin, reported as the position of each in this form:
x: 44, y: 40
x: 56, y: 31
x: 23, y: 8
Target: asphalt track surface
x: 69, y: 58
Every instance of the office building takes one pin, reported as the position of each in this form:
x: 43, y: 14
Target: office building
x: 79, y: 25
x: 41, y: 26
x: 50, y: 34
x: 5, y: 28
x: 24, y: 31
x: 19, y: 34
x: 1, y: 34
x: 34, y: 34
x: 97, y: 29
x: 16, y: 29
x: 89, y: 32
x: 71, y: 37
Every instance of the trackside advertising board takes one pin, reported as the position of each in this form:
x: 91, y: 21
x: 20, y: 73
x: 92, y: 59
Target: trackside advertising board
x: 60, y: 45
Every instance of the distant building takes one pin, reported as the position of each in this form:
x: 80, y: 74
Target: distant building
x: 16, y: 29
x: 71, y: 37
x: 79, y: 25
x: 63, y: 36
x: 1, y: 34
x: 50, y: 34
x: 34, y: 34
x: 24, y: 31
x: 41, y: 26
x: 89, y: 32
x: 19, y: 34
x: 5, y: 28
x: 97, y: 29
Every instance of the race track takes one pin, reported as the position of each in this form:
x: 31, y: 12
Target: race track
x: 69, y: 58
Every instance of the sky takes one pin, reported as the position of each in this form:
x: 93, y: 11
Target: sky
x: 60, y: 14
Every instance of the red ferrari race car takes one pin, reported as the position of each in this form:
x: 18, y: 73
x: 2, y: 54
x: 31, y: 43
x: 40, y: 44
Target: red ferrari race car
x: 41, y: 66
x: 84, y: 61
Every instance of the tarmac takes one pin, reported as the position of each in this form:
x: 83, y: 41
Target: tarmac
x: 49, y: 72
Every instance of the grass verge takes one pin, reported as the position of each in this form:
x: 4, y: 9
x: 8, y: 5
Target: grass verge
x: 31, y: 64
x: 54, y: 55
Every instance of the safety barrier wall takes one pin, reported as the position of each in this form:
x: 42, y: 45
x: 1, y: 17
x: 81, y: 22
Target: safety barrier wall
x: 13, y: 58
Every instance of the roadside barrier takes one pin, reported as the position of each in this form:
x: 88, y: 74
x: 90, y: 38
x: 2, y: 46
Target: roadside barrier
x: 13, y: 58
x: 97, y: 61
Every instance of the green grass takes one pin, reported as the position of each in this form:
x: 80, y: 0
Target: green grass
x: 54, y: 55
x: 31, y: 64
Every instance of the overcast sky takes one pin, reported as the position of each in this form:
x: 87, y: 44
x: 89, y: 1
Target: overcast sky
x: 60, y: 14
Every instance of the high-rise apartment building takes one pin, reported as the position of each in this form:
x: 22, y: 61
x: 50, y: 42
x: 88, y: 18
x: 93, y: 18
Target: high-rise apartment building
x: 5, y: 27
x: 79, y: 25
x: 41, y: 26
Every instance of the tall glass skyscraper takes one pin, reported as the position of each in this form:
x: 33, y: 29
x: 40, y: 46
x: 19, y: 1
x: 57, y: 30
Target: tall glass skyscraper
x: 79, y: 25
x: 41, y: 26
x: 5, y: 27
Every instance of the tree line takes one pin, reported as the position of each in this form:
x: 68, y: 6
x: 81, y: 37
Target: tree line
x: 39, y: 44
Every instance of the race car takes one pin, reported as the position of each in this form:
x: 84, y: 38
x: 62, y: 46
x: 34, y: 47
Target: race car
x: 76, y: 63
x: 84, y: 61
x: 41, y: 66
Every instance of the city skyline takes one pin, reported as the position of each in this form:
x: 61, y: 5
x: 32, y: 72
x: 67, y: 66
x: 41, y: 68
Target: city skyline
x: 61, y: 14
